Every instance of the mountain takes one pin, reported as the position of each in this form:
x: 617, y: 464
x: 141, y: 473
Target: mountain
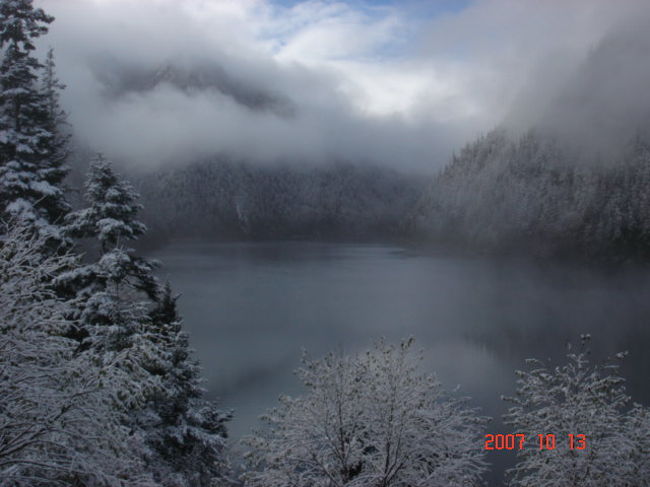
x: 219, y: 198
x: 573, y: 177
x: 120, y: 79
x: 532, y: 194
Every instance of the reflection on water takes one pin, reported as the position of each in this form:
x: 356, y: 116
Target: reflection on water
x: 251, y: 307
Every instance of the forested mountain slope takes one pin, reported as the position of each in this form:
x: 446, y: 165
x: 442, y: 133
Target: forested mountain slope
x: 534, y: 194
x: 577, y: 182
x: 218, y: 198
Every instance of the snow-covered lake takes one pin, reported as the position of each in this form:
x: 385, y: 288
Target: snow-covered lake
x: 251, y: 307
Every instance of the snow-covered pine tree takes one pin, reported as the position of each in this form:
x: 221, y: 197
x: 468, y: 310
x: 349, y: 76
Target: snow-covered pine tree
x: 110, y: 308
x: 368, y: 419
x: 186, y: 433
x: 56, y: 423
x: 129, y: 317
x: 110, y: 223
x: 578, y: 398
x: 30, y: 165
x: 54, y: 169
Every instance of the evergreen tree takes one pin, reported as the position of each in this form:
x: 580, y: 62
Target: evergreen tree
x: 109, y: 222
x: 54, y: 168
x: 109, y: 305
x: 57, y: 426
x: 185, y: 432
x: 31, y: 167
x: 129, y: 318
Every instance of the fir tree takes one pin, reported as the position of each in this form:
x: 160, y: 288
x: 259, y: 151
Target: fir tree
x: 111, y: 222
x: 54, y: 168
x: 129, y: 317
x: 110, y: 310
x: 31, y: 167
x: 56, y: 422
x: 185, y: 432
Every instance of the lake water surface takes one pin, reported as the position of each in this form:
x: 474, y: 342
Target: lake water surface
x: 251, y: 307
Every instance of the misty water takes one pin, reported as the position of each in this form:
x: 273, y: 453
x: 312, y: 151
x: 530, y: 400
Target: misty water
x: 251, y: 307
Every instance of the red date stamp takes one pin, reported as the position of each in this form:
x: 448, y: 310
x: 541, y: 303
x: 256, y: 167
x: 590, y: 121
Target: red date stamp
x: 544, y: 442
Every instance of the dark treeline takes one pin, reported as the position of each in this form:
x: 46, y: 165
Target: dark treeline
x: 528, y: 194
x: 221, y: 199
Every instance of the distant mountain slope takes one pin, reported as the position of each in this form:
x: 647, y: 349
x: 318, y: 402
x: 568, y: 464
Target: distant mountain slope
x: 577, y: 182
x: 119, y: 79
x: 530, y: 193
x: 218, y: 198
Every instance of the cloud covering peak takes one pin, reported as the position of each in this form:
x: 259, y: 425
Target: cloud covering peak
x: 152, y: 81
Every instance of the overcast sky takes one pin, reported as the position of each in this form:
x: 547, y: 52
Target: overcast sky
x: 401, y: 82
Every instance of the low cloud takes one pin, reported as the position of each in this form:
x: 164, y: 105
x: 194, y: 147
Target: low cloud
x: 154, y: 81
